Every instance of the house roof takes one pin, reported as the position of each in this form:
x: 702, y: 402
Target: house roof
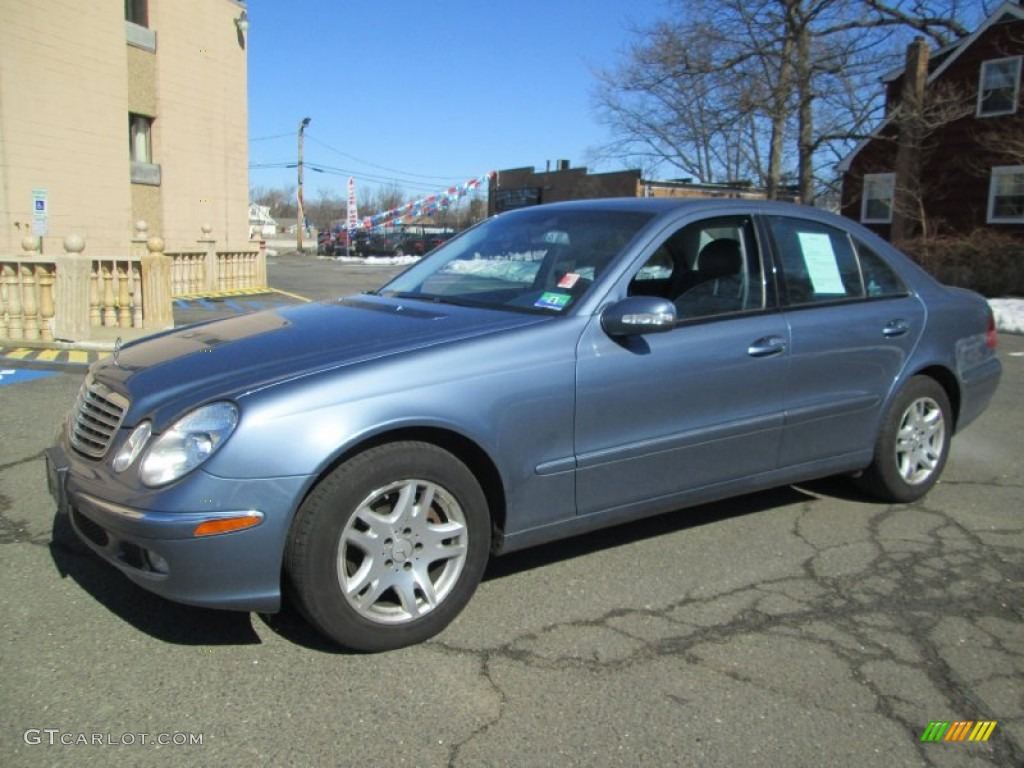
x: 946, y: 55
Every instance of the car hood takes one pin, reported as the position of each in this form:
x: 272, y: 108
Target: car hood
x: 226, y: 358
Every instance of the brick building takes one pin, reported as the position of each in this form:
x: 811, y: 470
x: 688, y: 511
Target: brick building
x: 115, y: 111
x: 969, y: 142
x: 521, y: 187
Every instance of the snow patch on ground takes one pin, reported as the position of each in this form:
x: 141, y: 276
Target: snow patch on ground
x: 1009, y: 314
x: 379, y: 261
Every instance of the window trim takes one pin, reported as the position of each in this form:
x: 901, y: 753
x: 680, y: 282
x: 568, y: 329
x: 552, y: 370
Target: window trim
x: 982, y: 91
x: 997, y: 172
x: 874, y: 177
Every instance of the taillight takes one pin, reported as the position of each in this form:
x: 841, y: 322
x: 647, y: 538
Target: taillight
x: 991, y: 337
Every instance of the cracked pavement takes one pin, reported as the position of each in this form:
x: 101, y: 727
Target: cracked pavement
x: 805, y: 626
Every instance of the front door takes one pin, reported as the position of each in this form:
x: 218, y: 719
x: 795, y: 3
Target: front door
x: 662, y: 415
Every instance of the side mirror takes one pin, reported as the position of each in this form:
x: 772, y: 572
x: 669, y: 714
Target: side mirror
x: 638, y: 315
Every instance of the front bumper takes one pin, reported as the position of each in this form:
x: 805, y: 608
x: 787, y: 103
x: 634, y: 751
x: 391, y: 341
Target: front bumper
x: 150, y: 536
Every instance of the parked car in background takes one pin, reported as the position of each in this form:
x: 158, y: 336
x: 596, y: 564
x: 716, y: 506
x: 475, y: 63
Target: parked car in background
x: 553, y: 370
x: 331, y: 242
x: 396, y: 243
x: 324, y: 243
x: 436, y: 239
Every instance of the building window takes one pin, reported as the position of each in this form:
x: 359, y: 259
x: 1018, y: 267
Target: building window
x: 140, y: 151
x: 140, y: 138
x: 137, y: 12
x: 876, y: 202
x: 999, y: 87
x: 1006, y: 195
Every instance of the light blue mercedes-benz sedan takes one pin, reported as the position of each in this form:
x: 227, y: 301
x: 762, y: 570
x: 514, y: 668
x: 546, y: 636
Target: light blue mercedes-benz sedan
x: 550, y: 371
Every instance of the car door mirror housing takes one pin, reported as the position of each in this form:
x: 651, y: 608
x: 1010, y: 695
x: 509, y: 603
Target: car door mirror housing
x: 638, y: 315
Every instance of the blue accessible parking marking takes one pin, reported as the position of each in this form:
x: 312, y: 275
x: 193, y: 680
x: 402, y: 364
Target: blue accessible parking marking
x: 20, y: 375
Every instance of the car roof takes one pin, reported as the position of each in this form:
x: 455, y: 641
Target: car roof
x: 668, y: 206
x: 659, y: 205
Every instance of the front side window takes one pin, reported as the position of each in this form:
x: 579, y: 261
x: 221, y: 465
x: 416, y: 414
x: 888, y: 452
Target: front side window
x: 876, y: 202
x: 707, y: 268
x: 1006, y: 195
x: 140, y: 138
x: 999, y: 87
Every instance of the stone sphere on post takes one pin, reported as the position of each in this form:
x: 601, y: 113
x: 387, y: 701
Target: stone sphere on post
x: 155, y: 244
x: 30, y: 243
x: 74, y: 243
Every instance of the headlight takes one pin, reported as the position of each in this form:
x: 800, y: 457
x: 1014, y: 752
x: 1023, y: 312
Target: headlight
x: 133, y: 446
x: 188, y: 443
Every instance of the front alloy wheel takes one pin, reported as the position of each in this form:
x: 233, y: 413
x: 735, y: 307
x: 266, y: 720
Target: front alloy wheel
x: 389, y: 547
x: 402, y: 551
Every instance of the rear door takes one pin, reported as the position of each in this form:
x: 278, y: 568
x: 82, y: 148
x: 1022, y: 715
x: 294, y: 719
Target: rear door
x: 852, y: 326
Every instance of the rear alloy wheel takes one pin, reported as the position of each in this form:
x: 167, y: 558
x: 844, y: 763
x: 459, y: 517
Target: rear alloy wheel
x: 913, y: 444
x: 390, y: 547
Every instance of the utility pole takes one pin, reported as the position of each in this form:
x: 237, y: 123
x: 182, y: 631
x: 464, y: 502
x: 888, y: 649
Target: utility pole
x: 301, y: 207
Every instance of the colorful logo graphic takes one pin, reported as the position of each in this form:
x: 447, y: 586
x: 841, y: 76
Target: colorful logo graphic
x: 958, y: 730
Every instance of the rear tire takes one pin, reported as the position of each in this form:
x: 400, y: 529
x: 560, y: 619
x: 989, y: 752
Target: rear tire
x: 388, y: 548
x: 912, y: 445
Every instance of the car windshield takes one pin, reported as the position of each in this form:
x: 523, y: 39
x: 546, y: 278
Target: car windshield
x: 533, y: 260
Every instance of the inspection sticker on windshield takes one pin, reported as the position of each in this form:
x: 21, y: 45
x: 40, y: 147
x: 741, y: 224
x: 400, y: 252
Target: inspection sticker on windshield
x: 569, y: 280
x: 552, y: 300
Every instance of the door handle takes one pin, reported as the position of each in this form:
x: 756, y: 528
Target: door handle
x: 767, y: 346
x: 895, y: 328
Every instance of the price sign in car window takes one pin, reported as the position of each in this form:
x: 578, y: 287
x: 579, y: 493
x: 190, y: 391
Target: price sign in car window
x: 820, y: 259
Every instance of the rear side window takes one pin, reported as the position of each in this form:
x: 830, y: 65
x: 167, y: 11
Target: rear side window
x: 819, y: 263
x: 879, y: 278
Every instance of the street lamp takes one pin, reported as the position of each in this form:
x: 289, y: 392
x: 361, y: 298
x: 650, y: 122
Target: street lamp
x: 302, y: 211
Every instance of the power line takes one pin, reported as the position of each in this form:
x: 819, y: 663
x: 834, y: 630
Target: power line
x: 358, y: 175
x: 275, y: 136
x: 381, y: 167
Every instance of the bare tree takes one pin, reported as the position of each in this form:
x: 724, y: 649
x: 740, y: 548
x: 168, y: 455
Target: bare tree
x: 758, y: 88
x: 280, y: 201
x: 326, y: 208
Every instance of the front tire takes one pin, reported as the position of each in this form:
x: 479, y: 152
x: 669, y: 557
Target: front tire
x: 388, y: 549
x: 913, y: 444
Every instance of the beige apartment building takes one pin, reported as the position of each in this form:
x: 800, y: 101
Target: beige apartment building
x: 115, y: 111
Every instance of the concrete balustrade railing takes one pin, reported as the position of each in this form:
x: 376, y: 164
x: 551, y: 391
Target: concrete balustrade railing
x: 73, y: 297
x: 207, y: 270
x: 27, y: 304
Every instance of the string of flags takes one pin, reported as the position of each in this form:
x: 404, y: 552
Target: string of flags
x: 427, y: 205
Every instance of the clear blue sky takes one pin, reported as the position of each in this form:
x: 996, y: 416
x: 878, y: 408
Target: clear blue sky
x: 428, y: 94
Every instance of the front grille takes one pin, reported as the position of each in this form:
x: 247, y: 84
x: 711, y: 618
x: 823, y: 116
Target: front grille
x: 96, y: 417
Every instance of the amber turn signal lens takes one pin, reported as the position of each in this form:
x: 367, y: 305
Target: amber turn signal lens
x: 228, y: 524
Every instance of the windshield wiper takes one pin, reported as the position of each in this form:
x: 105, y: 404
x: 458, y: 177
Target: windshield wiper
x: 433, y: 298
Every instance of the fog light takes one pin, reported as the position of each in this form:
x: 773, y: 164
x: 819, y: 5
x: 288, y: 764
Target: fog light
x: 157, y: 564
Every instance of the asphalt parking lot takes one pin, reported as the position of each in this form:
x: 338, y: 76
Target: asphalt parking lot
x: 805, y: 626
